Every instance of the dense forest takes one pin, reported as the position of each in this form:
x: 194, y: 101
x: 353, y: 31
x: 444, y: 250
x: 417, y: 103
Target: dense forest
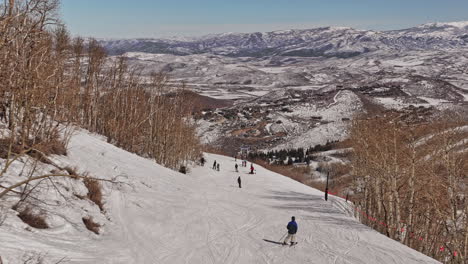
x: 290, y: 156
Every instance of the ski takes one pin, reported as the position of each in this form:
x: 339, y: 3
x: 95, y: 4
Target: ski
x: 290, y: 244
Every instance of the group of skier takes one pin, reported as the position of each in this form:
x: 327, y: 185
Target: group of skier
x: 252, y: 169
x: 236, y: 166
x: 216, y: 166
x: 292, y: 225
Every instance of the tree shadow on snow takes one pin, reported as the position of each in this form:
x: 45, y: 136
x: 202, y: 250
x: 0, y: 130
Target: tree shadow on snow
x: 314, y: 208
x: 293, y: 196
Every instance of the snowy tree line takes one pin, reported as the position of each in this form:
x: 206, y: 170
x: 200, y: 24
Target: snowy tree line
x: 50, y: 82
x: 413, y: 177
x: 290, y: 156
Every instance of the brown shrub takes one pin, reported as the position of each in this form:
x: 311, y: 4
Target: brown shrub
x: 40, y: 156
x: 293, y: 173
x: 94, y: 192
x: 53, y: 146
x: 346, y: 143
x: 5, y: 147
x: 342, y: 155
x: 302, y: 169
x: 33, y: 220
x: 81, y: 197
x: 339, y: 169
x: 317, y: 185
x: 323, y: 167
x: 71, y: 170
x: 214, y: 150
x: 91, y: 225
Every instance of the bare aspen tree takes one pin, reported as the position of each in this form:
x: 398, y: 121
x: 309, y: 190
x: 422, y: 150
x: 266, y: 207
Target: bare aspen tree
x: 50, y: 82
x: 413, y: 176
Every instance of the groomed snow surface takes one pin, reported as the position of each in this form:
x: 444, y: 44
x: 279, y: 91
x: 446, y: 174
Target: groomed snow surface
x: 160, y: 216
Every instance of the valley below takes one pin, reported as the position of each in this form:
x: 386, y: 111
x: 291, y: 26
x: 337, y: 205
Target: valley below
x: 284, y: 102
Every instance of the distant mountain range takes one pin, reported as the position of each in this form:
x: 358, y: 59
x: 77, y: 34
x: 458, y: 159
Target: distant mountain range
x: 299, y: 88
x: 318, y: 42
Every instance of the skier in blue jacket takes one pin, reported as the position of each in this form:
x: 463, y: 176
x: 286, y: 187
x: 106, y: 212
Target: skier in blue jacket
x: 292, y: 230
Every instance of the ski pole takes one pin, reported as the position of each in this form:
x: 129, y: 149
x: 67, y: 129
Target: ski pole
x: 283, y: 236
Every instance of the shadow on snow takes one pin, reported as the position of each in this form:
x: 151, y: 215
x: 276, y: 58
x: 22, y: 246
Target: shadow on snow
x: 315, y: 209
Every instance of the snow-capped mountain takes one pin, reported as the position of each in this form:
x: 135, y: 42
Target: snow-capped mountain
x: 324, y: 41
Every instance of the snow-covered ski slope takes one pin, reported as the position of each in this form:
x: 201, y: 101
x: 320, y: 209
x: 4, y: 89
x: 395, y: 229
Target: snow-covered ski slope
x: 160, y: 216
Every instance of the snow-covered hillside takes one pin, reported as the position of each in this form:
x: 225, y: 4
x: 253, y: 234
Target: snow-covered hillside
x: 420, y: 67
x: 155, y: 215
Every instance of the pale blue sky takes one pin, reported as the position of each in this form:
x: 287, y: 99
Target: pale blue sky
x: 164, y: 18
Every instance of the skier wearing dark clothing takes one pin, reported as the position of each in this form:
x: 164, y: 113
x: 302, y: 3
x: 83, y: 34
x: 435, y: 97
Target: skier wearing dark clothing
x: 292, y: 230
x: 214, y: 165
x: 217, y: 166
x: 251, y: 169
x: 236, y: 167
x: 202, y: 161
x: 239, y: 182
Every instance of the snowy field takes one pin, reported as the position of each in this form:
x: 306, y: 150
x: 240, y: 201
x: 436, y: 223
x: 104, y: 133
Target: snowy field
x: 160, y: 216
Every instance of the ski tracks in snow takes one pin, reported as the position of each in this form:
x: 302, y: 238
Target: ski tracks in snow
x: 160, y: 216
x: 135, y: 246
x: 344, y: 256
x: 227, y: 245
x: 220, y: 223
x: 220, y: 239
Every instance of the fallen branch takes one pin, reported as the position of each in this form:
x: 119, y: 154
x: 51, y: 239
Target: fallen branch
x: 10, y: 161
x: 14, y: 186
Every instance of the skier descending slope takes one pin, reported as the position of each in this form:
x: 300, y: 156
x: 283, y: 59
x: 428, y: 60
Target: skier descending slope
x: 292, y: 230
x: 239, y: 182
x: 214, y: 165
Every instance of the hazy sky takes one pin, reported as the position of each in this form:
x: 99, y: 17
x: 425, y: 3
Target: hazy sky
x: 158, y: 18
